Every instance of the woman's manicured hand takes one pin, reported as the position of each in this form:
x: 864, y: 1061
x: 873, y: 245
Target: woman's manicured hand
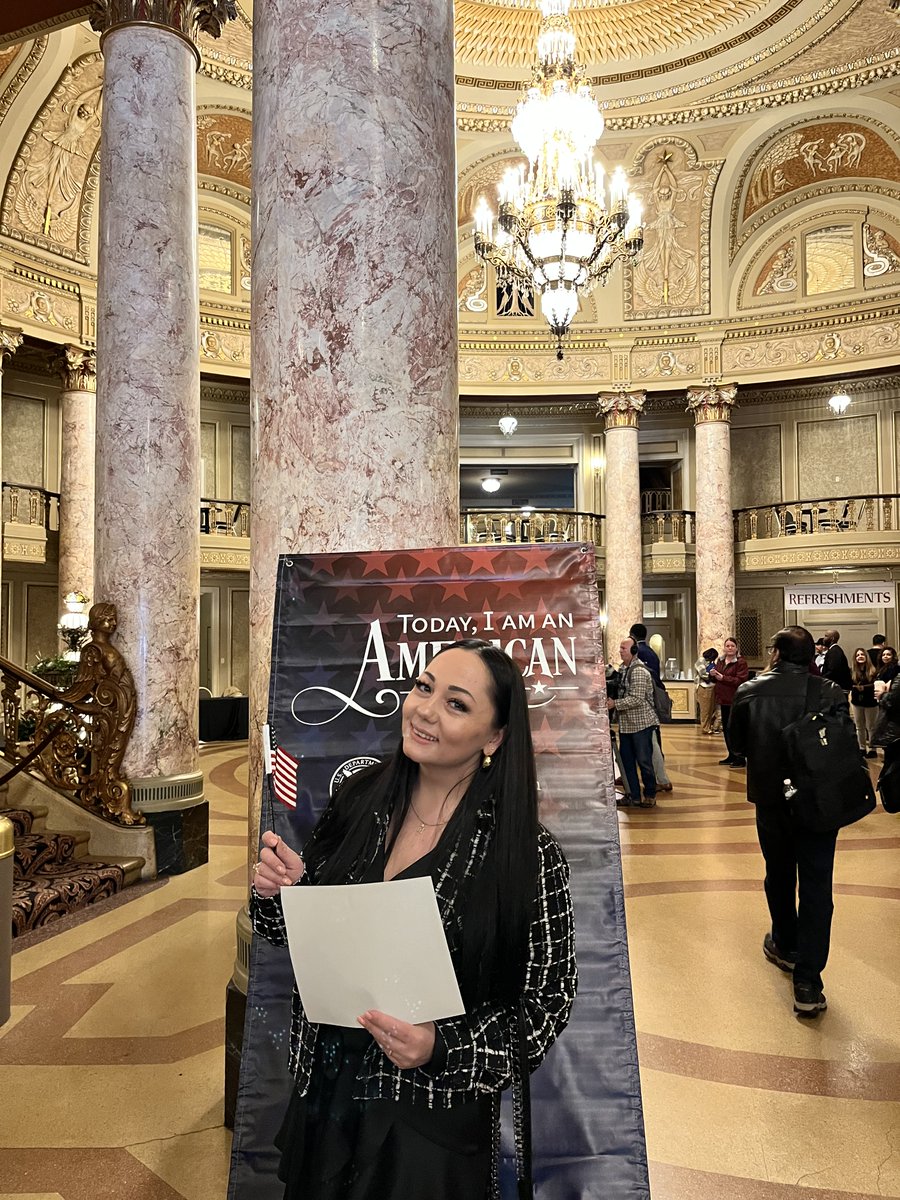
x: 279, y: 866
x: 405, y: 1045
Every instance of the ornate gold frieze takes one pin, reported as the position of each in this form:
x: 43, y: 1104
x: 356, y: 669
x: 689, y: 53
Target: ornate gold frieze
x: 78, y: 368
x: 712, y: 402
x: 187, y: 17
x: 621, y: 409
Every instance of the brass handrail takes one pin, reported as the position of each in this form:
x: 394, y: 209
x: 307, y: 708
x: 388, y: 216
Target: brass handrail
x: 832, y: 514
x: 478, y: 526
x: 96, y: 714
x: 668, y: 525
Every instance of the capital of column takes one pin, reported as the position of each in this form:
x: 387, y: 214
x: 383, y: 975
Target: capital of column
x: 621, y: 409
x: 77, y: 368
x: 712, y: 402
x: 185, y: 17
x: 10, y: 341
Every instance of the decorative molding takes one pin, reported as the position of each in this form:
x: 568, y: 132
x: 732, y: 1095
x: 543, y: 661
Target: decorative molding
x: 235, y: 559
x: 712, y: 402
x: 214, y: 394
x: 565, y: 408
x: 35, y: 54
x: 816, y: 556
x: 621, y: 409
x: 10, y: 341
x: 78, y: 368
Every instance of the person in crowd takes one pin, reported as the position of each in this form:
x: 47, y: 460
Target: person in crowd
x: 637, y: 722
x: 706, y: 689
x: 887, y: 731
x: 878, y: 641
x: 863, y: 705
x: 835, y: 667
x: 410, y: 1111
x: 650, y: 659
x: 730, y: 672
x: 887, y: 671
x: 819, y: 660
x: 794, y: 855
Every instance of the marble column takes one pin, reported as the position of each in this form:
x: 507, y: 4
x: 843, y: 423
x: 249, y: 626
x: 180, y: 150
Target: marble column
x: 10, y: 341
x: 622, y: 525
x: 353, y: 313
x: 78, y: 368
x: 147, y: 550
x: 713, y: 528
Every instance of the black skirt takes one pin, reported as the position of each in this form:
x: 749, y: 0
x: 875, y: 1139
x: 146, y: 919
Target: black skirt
x: 336, y: 1148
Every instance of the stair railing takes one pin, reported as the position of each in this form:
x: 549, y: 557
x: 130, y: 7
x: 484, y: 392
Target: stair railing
x: 85, y: 728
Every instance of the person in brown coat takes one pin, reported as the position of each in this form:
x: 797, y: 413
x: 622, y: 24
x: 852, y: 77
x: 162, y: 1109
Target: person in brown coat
x: 730, y: 672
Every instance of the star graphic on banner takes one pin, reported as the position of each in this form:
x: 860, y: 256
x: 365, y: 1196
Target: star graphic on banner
x: 546, y: 738
x: 402, y: 589
x: 455, y: 586
x: 539, y: 688
x: 375, y: 565
x: 430, y: 560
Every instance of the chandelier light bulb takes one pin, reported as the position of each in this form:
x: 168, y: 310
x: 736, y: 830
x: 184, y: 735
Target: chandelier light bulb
x: 839, y: 403
x: 508, y: 425
x: 491, y: 483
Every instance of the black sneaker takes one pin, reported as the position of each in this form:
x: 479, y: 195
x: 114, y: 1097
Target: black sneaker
x: 726, y: 762
x: 784, y: 962
x: 738, y: 762
x: 809, y: 1001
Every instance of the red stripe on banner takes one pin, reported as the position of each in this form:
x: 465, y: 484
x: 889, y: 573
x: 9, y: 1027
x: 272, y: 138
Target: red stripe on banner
x: 284, y: 778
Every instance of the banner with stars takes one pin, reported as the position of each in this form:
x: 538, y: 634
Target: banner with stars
x: 351, y: 634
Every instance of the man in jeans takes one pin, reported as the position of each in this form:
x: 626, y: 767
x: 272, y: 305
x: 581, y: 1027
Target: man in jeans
x: 800, y: 937
x: 637, y: 722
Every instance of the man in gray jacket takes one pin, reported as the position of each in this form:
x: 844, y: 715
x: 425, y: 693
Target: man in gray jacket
x: 800, y: 938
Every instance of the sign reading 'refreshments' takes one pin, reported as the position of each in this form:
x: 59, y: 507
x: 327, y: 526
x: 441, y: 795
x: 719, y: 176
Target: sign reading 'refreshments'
x: 873, y: 594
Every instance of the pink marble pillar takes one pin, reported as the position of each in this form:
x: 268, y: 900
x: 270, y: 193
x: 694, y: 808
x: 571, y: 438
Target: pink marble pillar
x: 622, y: 525
x: 353, y: 315
x: 10, y: 341
x: 147, y: 552
x: 714, y: 532
x: 78, y: 368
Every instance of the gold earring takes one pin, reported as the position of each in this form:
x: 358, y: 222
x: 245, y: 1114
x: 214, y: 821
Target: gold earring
x: 485, y: 762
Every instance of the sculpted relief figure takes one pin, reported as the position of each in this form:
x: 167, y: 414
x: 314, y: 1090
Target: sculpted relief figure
x: 667, y: 273
x: 769, y: 178
x: 47, y: 200
x: 881, y: 257
x: 781, y: 275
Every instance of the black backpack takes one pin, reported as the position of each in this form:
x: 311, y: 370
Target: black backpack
x: 830, y: 785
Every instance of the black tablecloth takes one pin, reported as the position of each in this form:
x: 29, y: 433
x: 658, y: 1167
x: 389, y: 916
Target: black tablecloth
x: 224, y: 719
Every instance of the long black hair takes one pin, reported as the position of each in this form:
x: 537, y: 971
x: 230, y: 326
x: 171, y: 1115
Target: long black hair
x: 495, y: 907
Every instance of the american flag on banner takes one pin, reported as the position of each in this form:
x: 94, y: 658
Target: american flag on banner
x: 284, y: 777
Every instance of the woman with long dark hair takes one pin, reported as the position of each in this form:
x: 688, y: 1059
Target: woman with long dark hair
x: 395, y: 1111
x: 863, y: 704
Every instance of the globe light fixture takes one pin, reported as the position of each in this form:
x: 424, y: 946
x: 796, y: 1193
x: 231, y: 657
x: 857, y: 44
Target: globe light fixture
x: 560, y: 228
x: 839, y: 403
x: 491, y: 483
x: 508, y: 425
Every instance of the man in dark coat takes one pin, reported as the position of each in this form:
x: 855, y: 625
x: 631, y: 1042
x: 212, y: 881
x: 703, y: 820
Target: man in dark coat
x: 800, y: 939
x: 835, y: 667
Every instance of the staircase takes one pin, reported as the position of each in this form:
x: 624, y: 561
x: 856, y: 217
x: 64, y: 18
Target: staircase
x: 53, y: 874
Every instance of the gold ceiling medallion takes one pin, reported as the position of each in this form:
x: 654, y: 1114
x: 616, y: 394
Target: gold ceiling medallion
x: 559, y: 229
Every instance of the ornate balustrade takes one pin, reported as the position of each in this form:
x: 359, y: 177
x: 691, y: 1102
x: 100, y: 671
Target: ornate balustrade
x: 667, y: 525
x: 480, y: 526
x: 27, y: 505
x: 656, y: 499
x: 227, y: 518
x: 76, y: 737
x: 834, y: 515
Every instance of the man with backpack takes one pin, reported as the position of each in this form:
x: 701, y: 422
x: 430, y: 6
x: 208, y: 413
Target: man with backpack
x: 805, y: 777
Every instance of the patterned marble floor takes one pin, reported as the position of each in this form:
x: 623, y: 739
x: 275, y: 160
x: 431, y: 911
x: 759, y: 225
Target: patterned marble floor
x: 111, y: 1067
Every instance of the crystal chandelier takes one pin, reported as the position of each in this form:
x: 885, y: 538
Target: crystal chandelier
x: 559, y: 229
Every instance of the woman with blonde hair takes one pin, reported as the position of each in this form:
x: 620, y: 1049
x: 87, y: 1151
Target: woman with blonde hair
x: 863, y: 704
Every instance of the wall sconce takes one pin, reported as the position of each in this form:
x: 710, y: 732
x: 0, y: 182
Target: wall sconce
x: 839, y: 403
x: 508, y: 425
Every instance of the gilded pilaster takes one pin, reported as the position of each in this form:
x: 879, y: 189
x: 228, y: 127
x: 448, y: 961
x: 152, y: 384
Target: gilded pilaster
x: 712, y: 405
x: 78, y: 371
x: 621, y: 411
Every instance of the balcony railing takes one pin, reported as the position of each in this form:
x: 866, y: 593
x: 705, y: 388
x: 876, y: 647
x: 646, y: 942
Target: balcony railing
x: 24, y: 504
x: 656, y: 499
x: 668, y: 525
x: 227, y: 518
x: 542, y: 525
x: 842, y: 514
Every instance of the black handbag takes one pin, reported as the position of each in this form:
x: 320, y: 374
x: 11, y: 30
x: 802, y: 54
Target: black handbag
x: 889, y: 787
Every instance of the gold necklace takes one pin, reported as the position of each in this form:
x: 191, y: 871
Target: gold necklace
x: 429, y: 824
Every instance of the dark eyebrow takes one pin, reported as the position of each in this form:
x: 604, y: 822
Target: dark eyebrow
x: 451, y: 687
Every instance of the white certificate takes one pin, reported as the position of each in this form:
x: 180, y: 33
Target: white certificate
x: 370, y: 945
